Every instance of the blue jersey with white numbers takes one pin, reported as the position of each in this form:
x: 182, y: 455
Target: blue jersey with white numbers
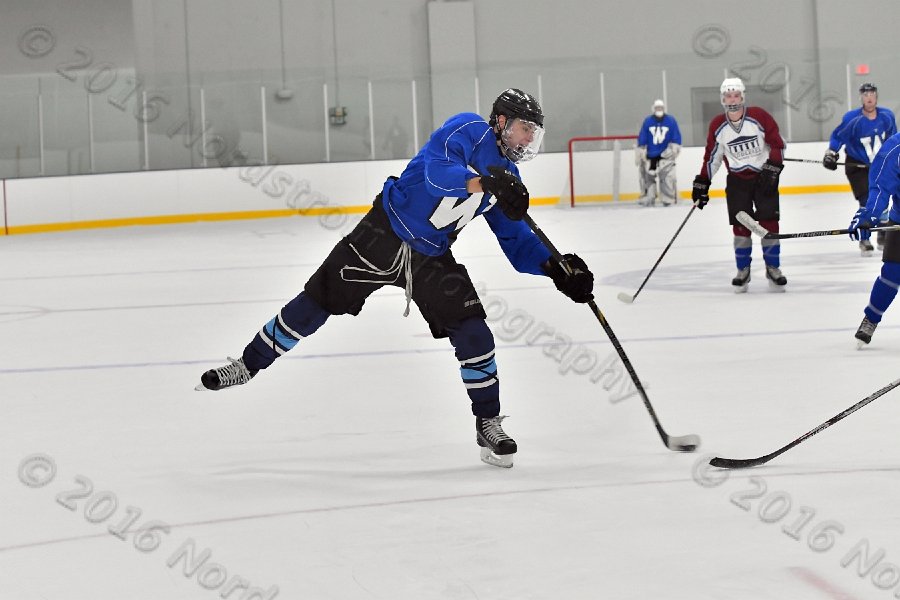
x: 884, y: 179
x: 863, y: 136
x: 428, y: 205
x: 656, y: 134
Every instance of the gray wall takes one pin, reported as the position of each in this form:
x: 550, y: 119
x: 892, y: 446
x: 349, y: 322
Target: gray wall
x: 170, y: 50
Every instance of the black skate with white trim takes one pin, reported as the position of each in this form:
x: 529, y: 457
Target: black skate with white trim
x: 864, y: 333
x: 776, y: 278
x: 497, y: 448
x: 741, y: 280
x: 234, y: 373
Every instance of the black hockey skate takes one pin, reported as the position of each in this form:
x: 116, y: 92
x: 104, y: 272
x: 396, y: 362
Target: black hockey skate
x: 741, y: 280
x: 866, y: 248
x: 776, y: 278
x: 234, y: 373
x: 497, y: 448
x: 864, y: 333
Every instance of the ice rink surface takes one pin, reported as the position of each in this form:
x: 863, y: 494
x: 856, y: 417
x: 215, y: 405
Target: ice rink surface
x: 349, y: 469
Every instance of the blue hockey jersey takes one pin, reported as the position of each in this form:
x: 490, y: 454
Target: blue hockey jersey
x: 656, y: 134
x: 884, y: 179
x: 428, y: 205
x: 863, y: 136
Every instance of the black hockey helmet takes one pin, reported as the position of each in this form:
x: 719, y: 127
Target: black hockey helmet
x: 868, y: 87
x: 515, y: 103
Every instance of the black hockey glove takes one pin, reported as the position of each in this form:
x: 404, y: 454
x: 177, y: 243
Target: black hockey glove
x: 510, y: 192
x: 700, y: 193
x: 576, y: 281
x: 768, y: 177
x: 830, y: 160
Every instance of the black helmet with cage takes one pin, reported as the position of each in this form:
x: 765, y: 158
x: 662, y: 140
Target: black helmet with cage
x: 524, y: 122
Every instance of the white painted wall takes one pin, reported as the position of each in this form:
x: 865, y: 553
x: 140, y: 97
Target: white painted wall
x: 201, y: 191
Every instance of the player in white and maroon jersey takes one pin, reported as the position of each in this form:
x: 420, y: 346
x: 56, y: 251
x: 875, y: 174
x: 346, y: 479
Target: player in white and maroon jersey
x: 747, y: 139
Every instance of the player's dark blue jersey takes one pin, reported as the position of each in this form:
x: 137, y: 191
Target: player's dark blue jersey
x: 656, y: 134
x: 429, y: 204
x: 884, y: 179
x: 863, y: 136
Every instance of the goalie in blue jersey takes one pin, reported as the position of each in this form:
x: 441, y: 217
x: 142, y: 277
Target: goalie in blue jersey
x: 466, y: 170
x: 861, y: 133
x: 884, y: 183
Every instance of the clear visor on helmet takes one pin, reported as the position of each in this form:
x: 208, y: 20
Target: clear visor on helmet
x: 521, y: 139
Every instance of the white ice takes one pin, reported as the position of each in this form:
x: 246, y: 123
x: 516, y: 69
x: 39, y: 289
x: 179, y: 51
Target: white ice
x: 349, y: 469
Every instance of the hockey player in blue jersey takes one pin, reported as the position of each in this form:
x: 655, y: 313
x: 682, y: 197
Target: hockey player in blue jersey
x: 467, y: 169
x: 884, y: 183
x: 861, y: 132
x: 658, y: 145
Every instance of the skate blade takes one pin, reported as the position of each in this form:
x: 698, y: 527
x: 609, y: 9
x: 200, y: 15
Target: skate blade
x: 866, y: 252
x: 201, y: 388
x: 774, y: 287
x: 860, y: 344
x: 740, y: 289
x: 497, y: 460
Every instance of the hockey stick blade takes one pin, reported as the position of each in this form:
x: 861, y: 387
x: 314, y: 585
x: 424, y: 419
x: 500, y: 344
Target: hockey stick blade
x: 683, y: 443
x: 742, y: 463
x: 626, y: 298
x: 748, y: 222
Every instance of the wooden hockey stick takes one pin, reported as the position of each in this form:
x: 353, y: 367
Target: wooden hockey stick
x: 740, y: 463
x: 819, y: 162
x: 630, y: 299
x: 754, y: 226
x: 679, y: 443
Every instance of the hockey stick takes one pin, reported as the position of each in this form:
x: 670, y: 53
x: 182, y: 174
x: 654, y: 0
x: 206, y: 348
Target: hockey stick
x: 738, y: 463
x: 754, y: 226
x: 630, y: 299
x: 680, y: 443
x: 819, y: 162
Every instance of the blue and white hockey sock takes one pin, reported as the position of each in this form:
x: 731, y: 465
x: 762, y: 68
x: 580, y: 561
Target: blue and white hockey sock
x: 771, y: 252
x: 884, y: 291
x: 743, y: 246
x: 474, y: 344
x: 299, y: 318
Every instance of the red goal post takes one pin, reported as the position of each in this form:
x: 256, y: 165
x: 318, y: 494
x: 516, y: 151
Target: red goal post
x: 595, y: 164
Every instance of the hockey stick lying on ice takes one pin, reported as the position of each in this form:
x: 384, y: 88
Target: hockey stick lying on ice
x: 680, y: 443
x: 748, y: 222
x: 819, y: 162
x: 629, y: 299
x: 738, y: 463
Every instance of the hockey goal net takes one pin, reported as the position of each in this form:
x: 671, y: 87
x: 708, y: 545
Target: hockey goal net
x: 601, y: 169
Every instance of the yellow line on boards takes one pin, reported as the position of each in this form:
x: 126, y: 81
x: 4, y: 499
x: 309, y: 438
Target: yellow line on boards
x: 339, y: 210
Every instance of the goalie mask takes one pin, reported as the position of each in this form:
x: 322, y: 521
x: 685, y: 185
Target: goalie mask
x: 659, y: 109
x: 523, y: 129
x: 730, y: 86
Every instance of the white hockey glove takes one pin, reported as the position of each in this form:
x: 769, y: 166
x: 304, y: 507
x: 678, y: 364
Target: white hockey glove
x: 671, y: 151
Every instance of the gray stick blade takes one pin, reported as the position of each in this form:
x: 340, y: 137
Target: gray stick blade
x: 748, y: 222
x: 684, y: 443
x: 626, y: 298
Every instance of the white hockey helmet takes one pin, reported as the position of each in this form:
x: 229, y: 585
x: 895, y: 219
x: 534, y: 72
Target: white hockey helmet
x: 659, y: 108
x: 732, y: 84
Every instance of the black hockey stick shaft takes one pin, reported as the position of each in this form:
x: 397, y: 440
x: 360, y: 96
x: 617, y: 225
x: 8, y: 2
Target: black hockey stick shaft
x: 761, y: 231
x: 737, y: 463
x: 686, y: 443
x: 819, y: 162
x: 659, y: 260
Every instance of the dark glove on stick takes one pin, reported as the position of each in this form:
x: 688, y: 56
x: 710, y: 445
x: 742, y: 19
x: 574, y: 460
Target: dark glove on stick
x: 768, y: 177
x: 576, y: 281
x: 830, y: 160
x: 700, y: 193
x: 510, y: 192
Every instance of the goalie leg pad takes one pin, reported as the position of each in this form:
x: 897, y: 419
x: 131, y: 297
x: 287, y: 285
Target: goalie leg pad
x: 668, y: 188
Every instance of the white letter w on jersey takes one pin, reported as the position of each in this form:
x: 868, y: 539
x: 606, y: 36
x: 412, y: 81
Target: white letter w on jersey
x: 659, y: 134
x: 449, y: 211
x: 872, y: 145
